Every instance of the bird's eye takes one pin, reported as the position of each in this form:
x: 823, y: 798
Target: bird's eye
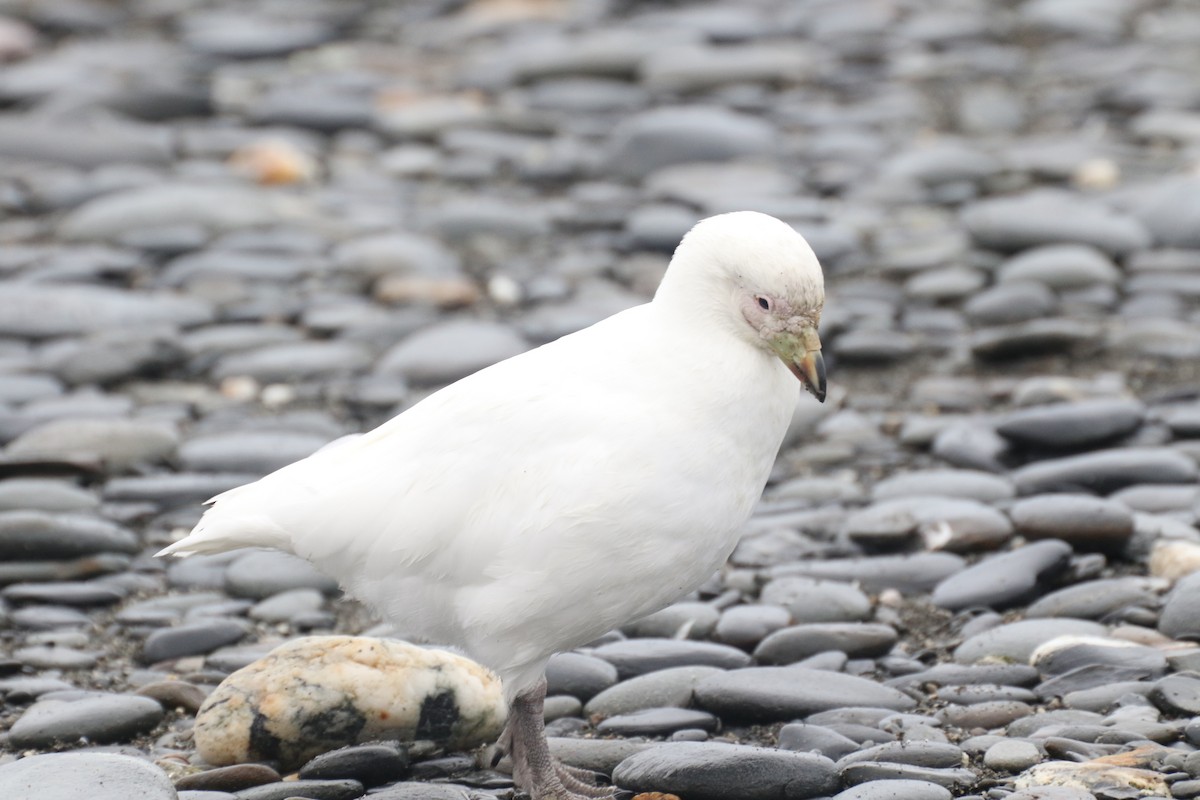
x: 763, y: 302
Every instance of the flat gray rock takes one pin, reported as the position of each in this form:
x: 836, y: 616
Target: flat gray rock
x: 98, y: 717
x: 1016, y: 641
x: 1084, y: 521
x: 1004, y: 580
x: 96, y: 776
x: 665, y: 687
x: 813, y: 600
x: 1066, y: 426
x: 798, y: 642
x: 40, y: 311
x: 768, y: 694
x: 35, y: 535
x: 633, y: 657
x: 1014, y: 223
x: 895, y: 789
x: 1104, y: 471
x: 717, y: 771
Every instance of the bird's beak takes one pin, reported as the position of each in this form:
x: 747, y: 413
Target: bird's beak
x: 801, y: 351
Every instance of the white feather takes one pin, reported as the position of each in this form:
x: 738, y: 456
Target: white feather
x: 538, y: 503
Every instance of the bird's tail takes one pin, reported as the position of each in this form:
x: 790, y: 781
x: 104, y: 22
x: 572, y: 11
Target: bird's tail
x: 226, y: 526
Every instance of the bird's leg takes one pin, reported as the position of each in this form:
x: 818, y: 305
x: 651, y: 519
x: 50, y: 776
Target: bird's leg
x: 534, y: 769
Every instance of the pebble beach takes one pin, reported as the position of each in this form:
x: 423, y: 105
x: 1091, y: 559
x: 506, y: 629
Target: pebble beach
x: 232, y: 233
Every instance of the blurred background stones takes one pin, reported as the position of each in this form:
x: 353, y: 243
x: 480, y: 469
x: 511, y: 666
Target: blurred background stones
x: 233, y: 233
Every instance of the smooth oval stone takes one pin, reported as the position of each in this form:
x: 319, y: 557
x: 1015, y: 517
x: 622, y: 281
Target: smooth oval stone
x: 1004, y: 580
x: 95, y: 716
x: 818, y: 739
x: 658, y: 722
x: 196, y: 638
x: 869, y: 771
x: 857, y: 640
x: 173, y: 489
x: 578, y: 675
x: 259, y: 575
x: 214, y: 207
x: 1180, y: 616
x: 448, y: 351
x: 895, y: 789
x: 634, y: 657
x: 746, y: 625
x: 1005, y: 304
x: 1012, y: 755
x: 44, y: 495
x: 1072, y: 425
x: 988, y: 715
x: 29, y: 535
x: 1036, y: 337
x: 1017, y: 222
x: 1105, y: 471
x: 1067, y: 654
x: 967, y: 484
x: 595, y: 755
x: 984, y: 693
x: 950, y: 674
x: 67, y: 593
x: 229, y: 779
x: 1018, y: 640
x: 666, y: 687
x: 251, y: 452
x: 767, y: 694
x: 813, y: 600
x: 1062, y: 266
x: 310, y: 789
x: 423, y: 791
x: 1096, y: 599
x: 690, y: 620
x: 924, y: 754
x: 919, y: 572
x: 1082, y: 520
x: 663, y: 137
x: 43, y: 311
x: 119, y: 443
x: 718, y: 771
x: 1178, y: 694
x: 97, y: 776
x: 369, y: 764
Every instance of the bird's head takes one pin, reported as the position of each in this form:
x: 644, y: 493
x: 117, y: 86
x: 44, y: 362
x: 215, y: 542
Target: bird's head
x: 760, y: 278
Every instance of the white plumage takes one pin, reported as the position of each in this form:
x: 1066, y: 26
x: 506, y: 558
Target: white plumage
x: 538, y: 503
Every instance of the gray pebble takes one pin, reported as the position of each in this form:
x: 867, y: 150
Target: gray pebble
x: 1012, y: 756
x: 1018, y: 640
x: 1083, y: 521
x: 1071, y: 425
x: 665, y: 687
x: 795, y: 643
x: 581, y: 676
x: 811, y: 600
x: 895, y: 789
x: 1105, y: 471
x: 195, y: 638
x: 259, y: 575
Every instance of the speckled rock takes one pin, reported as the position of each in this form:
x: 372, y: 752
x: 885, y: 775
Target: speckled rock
x: 318, y: 693
x: 718, y: 771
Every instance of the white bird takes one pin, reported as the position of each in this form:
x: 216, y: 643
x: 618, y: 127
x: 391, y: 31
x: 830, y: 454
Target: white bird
x: 539, y: 503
